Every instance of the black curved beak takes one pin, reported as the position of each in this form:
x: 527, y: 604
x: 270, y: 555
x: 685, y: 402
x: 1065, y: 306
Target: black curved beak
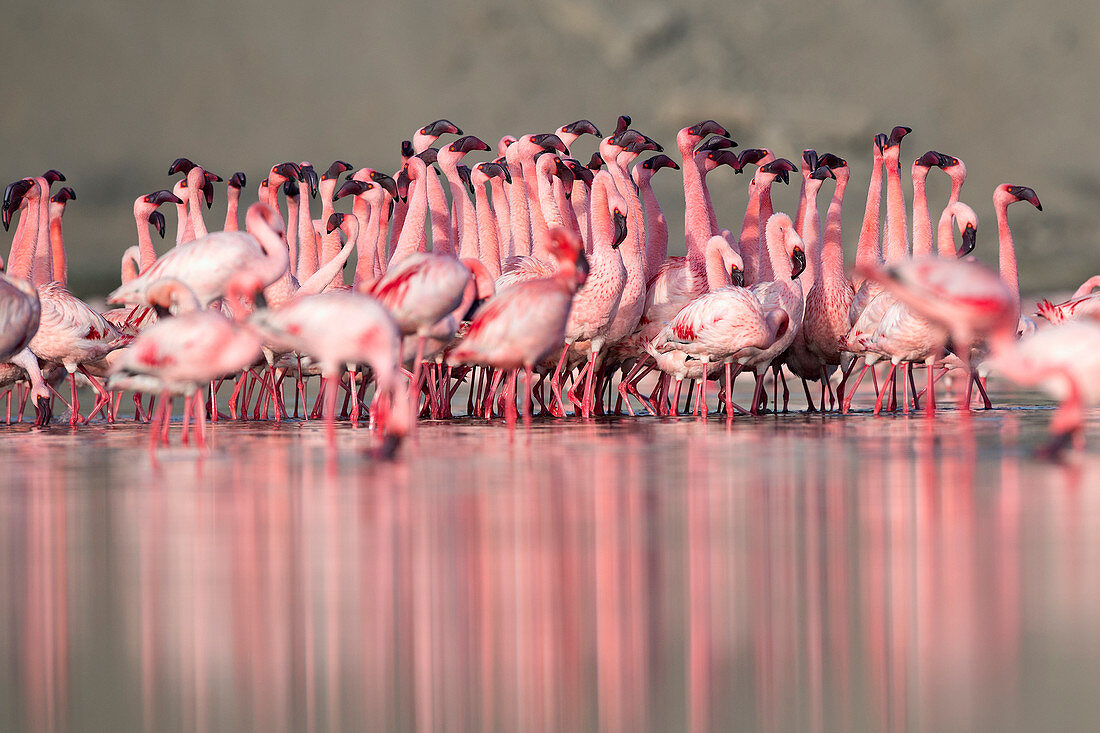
x: 385, y: 182
x: 897, y: 134
x: 311, y: 180
x: 403, y: 185
x: 53, y: 175
x: 619, y: 220
x: 581, y: 127
x: 334, y: 222
x: 621, y: 124
x: 798, y: 262
x: 595, y: 162
x: 43, y: 412
x: 550, y: 142
x: 752, y: 156
x: 289, y: 170
x: 715, y: 143
x: 64, y: 195
x: 707, y: 127
x: 238, y: 180
x: 339, y: 166
x: 809, y: 157
x: 969, y: 241
x: 468, y: 143
x: 881, y: 142
x: 440, y: 127
x: 737, y: 276
x: 13, y: 197
x: 157, y: 220
x: 180, y: 165
x: 163, y: 196
x: 351, y: 187
x: 822, y: 172
x: 208, y: 193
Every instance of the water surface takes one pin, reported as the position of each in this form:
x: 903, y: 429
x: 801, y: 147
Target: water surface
x: 791, y: 573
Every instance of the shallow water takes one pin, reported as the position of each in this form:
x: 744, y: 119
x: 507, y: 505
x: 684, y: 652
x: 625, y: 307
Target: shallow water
x: 791, y: 573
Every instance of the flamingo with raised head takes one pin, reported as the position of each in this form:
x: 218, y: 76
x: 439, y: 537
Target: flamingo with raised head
x: 206, y: 265
x: 519, y: 327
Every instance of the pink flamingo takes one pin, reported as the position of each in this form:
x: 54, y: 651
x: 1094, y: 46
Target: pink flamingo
x: 828, y: 303
x: 708, y: 327
x: 145, y: 207
x: 465, y: 221
x: 1005, y: 195
x: 905, y: 337
x: 58, y: 204
x: 1084, y: 303
x: 198, y: 184
x: 338, y: 328
x: 181, y: 354
x: 782, y: 299
x: 519, y: 327
x: 801, y: 361
x: 595, y: 302
x: 754, y: 251
x: 206, y: 265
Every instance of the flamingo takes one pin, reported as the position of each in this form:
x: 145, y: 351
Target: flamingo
x: 340, y: 328
x: 905, y: 337
x: 198, y: 183
x: 237, y: 181
x: 710, y: 326
x: 782, y: 299
x: 1084, y: 303
x: 1004, y: 196
x: 522, y: 325
x: 181, y: 354
x: 207, y: 264
x: 595, y: 302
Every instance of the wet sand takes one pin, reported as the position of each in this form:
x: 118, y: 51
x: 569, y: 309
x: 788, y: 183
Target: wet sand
x: 783, y: 573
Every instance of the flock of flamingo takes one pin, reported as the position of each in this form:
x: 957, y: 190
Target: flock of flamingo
x: 541, y: 268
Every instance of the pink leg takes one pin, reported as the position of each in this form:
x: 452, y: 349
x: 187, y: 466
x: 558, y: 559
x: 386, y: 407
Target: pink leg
x: 758, y: 392
x: 589, y: 386
x: 510, y: 399
x: 74, y: 414
x: 528, y: 404
x: 847, y: 400
x: 885, y: 384
x: 200, y: 418
x: 330, y: 385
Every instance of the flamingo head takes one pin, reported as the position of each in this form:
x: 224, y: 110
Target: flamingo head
x: 659, y: 161
x: 53, y: 176
x: 291, y: 189
x: 718, y: 142
x: 581, y: 127
x: 494, y: 169
x: 810, y: 162
x: 309, y: 177
x: 63, y: 196
x: 1022, y: 193
x: 467, y: 144
x: 504, y: 143
x: 716, y: 158
x: 579, y: 170
x: 822, y: 172
x: 283, y: 172
x: 338, y: 167
x: 350, y: 187
x: 238, y: 180
x: 595, y: 162
x: 336, y: 221
x: 386, y: 182
x: 781, y: 169
x: 833, y: 161
x: 14, y: 195
x: 755, y: 156
x: 438, y: 128
x: 622, y: 123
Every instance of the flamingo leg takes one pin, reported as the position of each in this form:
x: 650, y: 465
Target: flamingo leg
x: 987, y: 405
x: 589, y: 386
x: 509, y: 396
x: 528, y: 404
x: 810, y: 400
x: 200, y: 419
x: 882, y: 394
x: 330, y: 388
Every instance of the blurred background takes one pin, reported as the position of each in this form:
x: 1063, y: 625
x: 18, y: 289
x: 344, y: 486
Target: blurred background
x: 111, y: 92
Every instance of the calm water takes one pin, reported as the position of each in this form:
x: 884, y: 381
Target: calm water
x: 778, y: 574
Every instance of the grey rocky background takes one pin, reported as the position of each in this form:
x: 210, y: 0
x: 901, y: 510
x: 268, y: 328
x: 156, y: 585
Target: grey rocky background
x: 111, y: 92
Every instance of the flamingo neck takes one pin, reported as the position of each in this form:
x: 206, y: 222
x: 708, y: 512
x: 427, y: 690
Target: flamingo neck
x: 21, y: 257
x: 194, y: 209
x: 413, y: 230
x: 922, y: 220
x: 696, y: 203
x: 184, y: 231
x: 565, y: 206
x: 232, y: 221
x: 57, y: 245
x: 518, y: 209
x: 749, y: 242
x: 634, y: 254
x: 307, y: 237
x: 275, y: 261
x: 578, y: 202
x: 897, y: 238
x: 945, y: 240
x: 868, y: 252
x: 656, y: 227
x: 487, y: 232
x: 147, y: 254
x: 293, y: 214
x: 717, y: 276
x: 501, y: 209
x: 43, y: 253
x: 366, y: 241
x: 780, y: 259
x: 811, y: 240
x: 1007, y: 252
x: 766, y: 258
x: 832, y: 245
x: 442, y: 232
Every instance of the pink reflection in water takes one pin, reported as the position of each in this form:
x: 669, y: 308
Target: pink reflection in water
x: 797, y: 575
